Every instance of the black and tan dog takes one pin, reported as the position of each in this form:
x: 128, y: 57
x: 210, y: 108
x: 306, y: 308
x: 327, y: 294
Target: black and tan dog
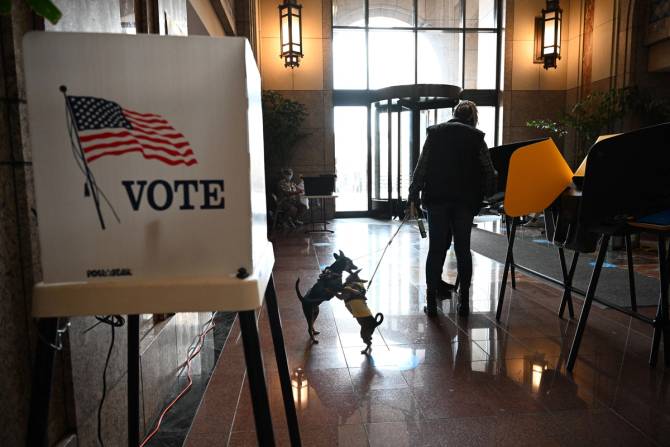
x: 353, y: 295
x: 328, y: 284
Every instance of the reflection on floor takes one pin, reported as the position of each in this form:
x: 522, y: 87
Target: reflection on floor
x: 176, y: 423
x: 447, y: 381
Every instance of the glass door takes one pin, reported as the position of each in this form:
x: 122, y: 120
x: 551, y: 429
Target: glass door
x: 351, y: 158
x: 390, y: 155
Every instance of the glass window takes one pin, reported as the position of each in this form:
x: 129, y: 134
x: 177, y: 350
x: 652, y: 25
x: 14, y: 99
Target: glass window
x: 399, y: 42
x: 444, y: 115
x: 480, y: 14
x: 390, y: 14
x: 391, y: 58
x: 349, y: 12
x: 440, y: 13
x: 480, y: 60
x: 374, y: 152
x: 487, y: 123
x: 351, y: 158
x: 349, y: 67
x: 395, y: 140
x: 383, y: 155
x: 439, y: 57
x: 405, y: 148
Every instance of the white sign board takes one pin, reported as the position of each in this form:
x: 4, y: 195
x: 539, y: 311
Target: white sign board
x: 148, y: 157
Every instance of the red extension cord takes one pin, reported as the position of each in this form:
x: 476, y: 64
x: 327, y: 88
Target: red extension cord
x: 196, y: 351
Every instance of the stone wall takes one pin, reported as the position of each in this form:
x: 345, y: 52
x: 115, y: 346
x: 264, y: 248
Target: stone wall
x: 310, y: 83
x: 603, y: 47
x: 19, y: 251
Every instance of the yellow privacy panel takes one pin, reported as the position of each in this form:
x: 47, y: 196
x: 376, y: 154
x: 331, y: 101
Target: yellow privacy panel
x: 537, y: 175
x: 581, y: 170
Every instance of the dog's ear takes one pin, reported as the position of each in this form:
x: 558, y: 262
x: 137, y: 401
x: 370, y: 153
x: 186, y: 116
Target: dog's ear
x: 341, y: 254
x: 336, y: 255
x: 356, y: 272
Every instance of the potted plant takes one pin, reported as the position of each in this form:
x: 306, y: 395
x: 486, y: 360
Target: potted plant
x: 282, y: 128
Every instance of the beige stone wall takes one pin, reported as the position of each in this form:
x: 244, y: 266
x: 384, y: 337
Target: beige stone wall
x: 531, y: 92
x: 598, y: 51
x: 310, y: 83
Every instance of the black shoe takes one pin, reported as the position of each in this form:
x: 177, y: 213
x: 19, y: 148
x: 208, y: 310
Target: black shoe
x: 445, y: 290
x: 463, y: 307
x: 431, y: 304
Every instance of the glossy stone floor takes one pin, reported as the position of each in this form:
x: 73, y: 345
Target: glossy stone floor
x: 443, y: 381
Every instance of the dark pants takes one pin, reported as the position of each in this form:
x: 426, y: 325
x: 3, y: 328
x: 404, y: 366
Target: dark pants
x: 444, y: 222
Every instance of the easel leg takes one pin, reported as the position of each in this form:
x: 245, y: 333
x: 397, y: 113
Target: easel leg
x: 282, y: 364
x: 259, y: 393
x: 586, y: 307
x: 508, y: 262
x: 133, y: 380
x: 631, y: 273
x: 38, y: 419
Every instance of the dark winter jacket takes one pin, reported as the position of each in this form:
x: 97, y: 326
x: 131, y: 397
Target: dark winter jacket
x: 454, y: 167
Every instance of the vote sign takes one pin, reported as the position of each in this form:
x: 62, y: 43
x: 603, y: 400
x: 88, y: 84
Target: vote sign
x: 148, y: 155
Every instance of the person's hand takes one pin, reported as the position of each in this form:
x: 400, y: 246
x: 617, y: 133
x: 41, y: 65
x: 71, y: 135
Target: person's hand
x: 411, y: 210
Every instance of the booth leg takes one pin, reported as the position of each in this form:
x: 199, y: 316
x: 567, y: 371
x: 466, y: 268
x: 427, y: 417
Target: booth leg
x: 586, y: 307
x: 661, y: 321
x: 38, y: 418
x: 133, y: 380
x: 512, y: 266
x: 564, y: 272
x: 631, y: 273
x: 508, y: 262
x: 259, y: 393
x: 282, y: 363
x: 568, y: 276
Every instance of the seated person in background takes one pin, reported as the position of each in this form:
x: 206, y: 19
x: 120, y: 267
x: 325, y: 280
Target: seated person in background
x: 288, y: 195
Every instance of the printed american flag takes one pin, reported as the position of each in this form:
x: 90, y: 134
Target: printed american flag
x: 107, y: 129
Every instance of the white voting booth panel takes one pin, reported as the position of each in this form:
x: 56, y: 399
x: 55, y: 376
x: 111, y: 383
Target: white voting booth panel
x: 149, y: 175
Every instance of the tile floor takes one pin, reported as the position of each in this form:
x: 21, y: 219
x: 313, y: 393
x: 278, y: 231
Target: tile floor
x: 445, y: 381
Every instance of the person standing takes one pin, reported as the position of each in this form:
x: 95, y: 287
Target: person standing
x: 454, y: 173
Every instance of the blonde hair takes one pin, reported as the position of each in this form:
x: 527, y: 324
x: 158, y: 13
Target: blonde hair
x: 467, y: 111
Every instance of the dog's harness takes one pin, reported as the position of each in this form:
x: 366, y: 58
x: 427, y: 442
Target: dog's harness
x: 356, y: 305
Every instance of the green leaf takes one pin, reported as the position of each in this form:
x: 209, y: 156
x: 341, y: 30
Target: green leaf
x: 5, y: 7
x: 46, y: 9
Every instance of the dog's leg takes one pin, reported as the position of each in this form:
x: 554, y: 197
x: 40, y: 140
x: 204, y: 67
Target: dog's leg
x: 315, y: 315
x: 312, y: 332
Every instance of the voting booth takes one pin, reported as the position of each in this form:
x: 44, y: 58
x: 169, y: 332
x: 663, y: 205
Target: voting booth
x: 149, y: 184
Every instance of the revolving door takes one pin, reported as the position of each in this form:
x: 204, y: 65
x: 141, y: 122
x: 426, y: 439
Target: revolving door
x: 399, y: 118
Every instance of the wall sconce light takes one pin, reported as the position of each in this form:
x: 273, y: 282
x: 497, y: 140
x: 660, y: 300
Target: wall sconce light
x: 300, y: 388
x: 290, y: 31
x: 548, y: 35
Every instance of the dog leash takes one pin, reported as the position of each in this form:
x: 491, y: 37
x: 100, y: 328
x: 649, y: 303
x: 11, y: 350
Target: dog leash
x: 407, y: 215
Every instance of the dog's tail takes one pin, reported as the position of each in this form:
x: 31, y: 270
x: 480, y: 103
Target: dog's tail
x: 379, y: 318
x: 297, y: 289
